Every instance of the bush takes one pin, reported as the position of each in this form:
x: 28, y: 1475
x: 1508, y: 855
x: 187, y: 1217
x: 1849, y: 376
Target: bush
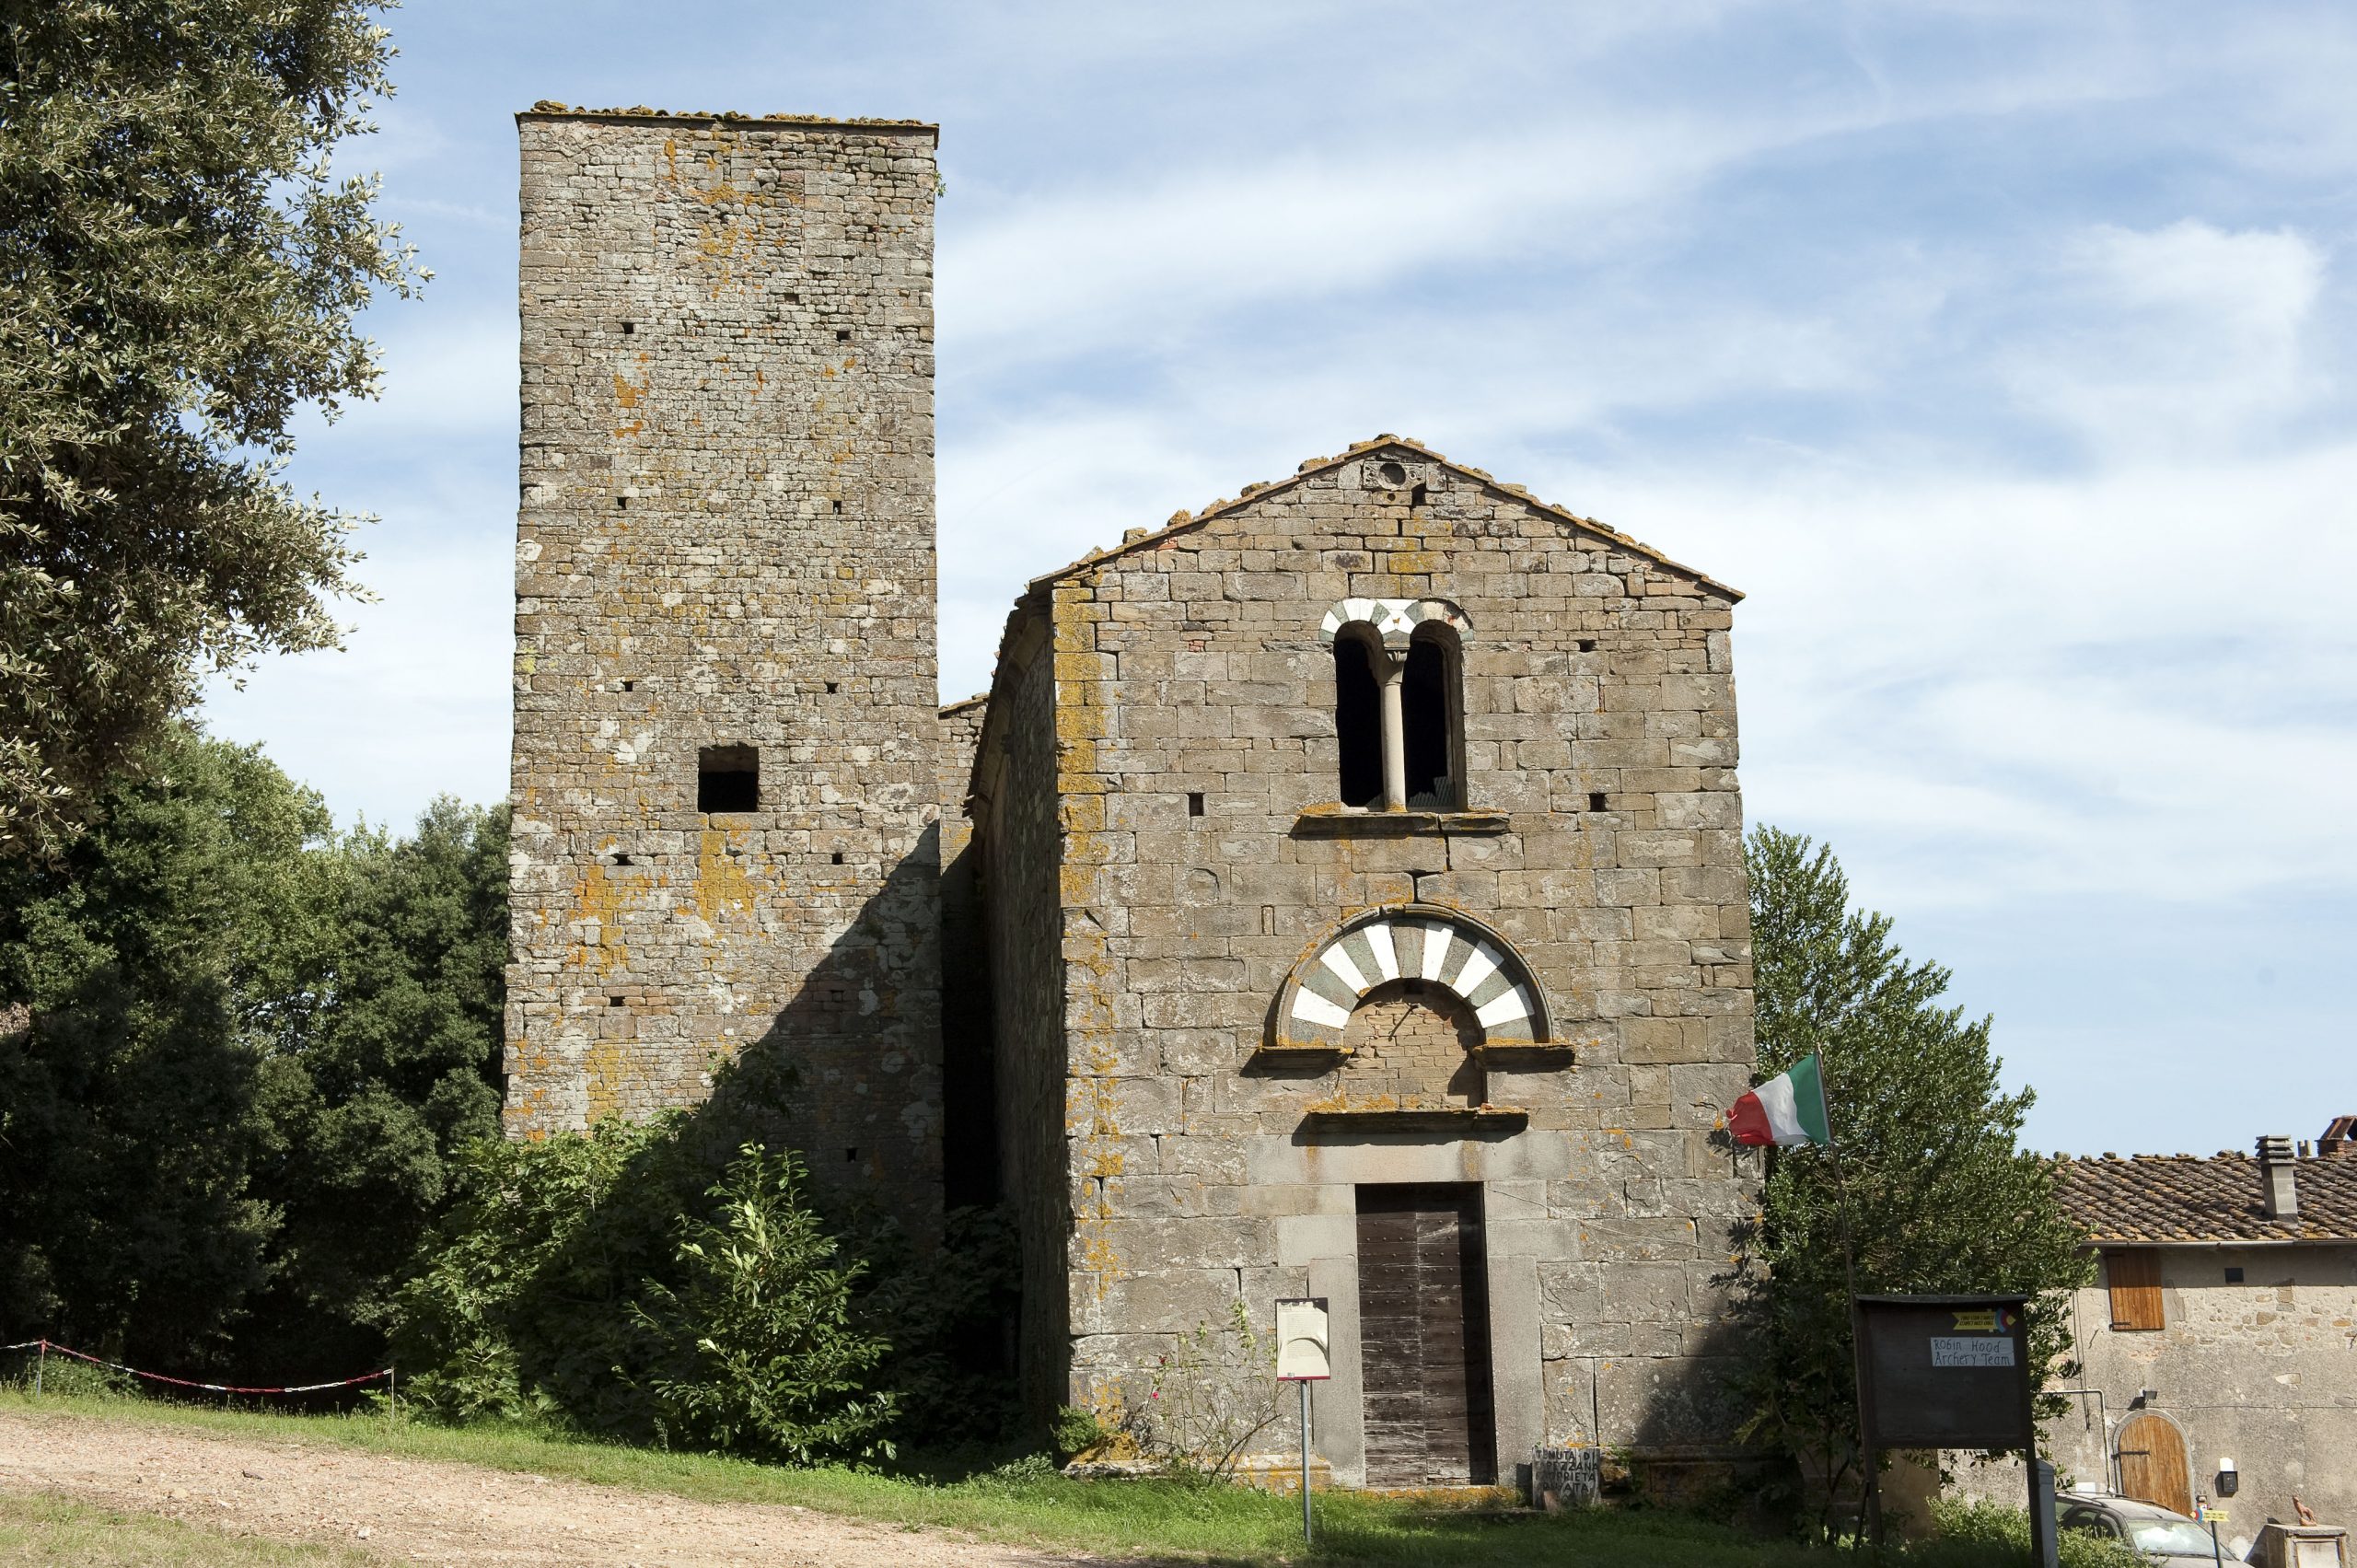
x: 755, y: 1352
x: 1209, y: 1402
x: 1984, y: 1534
x: 634, y: 1282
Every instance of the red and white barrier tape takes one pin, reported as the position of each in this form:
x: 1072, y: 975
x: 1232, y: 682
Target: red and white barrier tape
x: 189, y: 1383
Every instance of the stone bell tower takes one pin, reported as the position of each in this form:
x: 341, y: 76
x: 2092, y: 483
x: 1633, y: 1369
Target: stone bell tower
x: 724, y: 771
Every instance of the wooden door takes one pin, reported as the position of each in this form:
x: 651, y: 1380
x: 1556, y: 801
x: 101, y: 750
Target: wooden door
x: 1424, y: 1337
x: 2152, y: 1462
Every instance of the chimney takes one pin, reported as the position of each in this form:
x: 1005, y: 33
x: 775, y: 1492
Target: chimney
x: 2341, y: 1138
x: 2278, y: 1195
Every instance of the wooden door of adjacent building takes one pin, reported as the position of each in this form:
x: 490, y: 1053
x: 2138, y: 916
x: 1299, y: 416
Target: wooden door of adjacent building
x: 2152, y: 1462
x: 1424, y: 1337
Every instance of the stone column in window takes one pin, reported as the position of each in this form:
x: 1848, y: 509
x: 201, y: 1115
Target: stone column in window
x: 1395, y: 732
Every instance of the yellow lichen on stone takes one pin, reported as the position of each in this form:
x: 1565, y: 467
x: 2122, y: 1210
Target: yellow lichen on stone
x: 723, y: 886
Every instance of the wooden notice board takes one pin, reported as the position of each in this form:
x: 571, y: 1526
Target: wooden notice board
x: 1946, y: 1372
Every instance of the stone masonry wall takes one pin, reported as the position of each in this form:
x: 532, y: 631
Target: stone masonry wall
x: 725, y: 539
x: 1021, y: 869
x: 1602, y: 839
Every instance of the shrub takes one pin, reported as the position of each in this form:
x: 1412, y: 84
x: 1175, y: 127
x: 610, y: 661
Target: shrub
x: 1212, y: 1396
x: 755, y: 1352
x: 634, y: 1282
x: 1981, y: 1535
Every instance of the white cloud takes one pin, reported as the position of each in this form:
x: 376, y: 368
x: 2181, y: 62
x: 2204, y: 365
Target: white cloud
x: 2184, y: 337
x: 1096, y: 266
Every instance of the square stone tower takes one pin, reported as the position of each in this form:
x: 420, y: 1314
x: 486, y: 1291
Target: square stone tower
x: 724, y: 733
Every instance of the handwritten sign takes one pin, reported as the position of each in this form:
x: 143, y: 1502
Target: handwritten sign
x: 1992, y: 1352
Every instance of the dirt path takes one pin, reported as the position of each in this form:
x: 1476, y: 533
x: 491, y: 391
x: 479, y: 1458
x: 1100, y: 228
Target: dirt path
x: 426, y: 1511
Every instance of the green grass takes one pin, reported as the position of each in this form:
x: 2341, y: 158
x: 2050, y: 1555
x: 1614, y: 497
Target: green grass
x: 53, y: 1529
x: 1030, y: 1504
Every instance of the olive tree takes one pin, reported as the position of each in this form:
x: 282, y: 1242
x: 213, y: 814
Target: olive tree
x: 179, y: 271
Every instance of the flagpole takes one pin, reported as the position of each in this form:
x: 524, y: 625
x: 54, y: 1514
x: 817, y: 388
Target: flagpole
x: 1872, y: 1500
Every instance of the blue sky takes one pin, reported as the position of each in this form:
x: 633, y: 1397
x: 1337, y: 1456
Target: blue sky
x: 2001, y: 353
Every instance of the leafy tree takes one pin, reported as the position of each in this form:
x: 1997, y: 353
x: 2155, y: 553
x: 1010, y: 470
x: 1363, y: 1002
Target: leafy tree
x: 238, y: 1057
x: 396, y: 1071
x: 154, y: 976
x: 180, y: 270
x: 1940, y: 1197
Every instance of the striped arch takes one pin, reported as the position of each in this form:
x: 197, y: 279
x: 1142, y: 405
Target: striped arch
x: 1394, y: 620
x: 1410, y: 942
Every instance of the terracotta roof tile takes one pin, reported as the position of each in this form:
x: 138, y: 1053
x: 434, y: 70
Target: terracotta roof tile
x: 2163, y: 1198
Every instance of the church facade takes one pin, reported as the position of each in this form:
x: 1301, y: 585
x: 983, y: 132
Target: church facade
x: 1339, y: 892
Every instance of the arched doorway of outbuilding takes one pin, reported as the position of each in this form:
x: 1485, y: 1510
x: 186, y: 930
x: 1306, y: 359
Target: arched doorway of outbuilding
x: 2150, y: 1453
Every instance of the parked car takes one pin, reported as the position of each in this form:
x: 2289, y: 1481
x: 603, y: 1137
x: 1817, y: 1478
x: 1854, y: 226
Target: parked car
x: 2161, y: 1534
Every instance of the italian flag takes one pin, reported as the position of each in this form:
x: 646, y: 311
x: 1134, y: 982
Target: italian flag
x: 1789, y: 1109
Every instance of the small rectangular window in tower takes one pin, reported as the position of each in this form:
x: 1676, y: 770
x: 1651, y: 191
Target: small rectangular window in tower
x: 2233, y: 1275
x: 629, y: 327
x: 830, y: 688
x: 1587, y: 644
x: 1194, y: 803
x: 842, y: 334
x: 1595, y: 801
x: 728, y: 778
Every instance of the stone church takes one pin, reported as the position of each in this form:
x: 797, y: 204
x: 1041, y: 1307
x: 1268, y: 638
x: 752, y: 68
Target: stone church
x: 1337, y: 893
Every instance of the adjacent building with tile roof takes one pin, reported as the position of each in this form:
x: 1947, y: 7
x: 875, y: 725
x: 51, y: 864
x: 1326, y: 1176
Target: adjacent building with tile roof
x: 2222, y: 1325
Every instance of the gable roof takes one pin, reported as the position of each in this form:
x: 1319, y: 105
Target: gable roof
x: 1186, y: 522
x: 1032, y: 601
x: 2183, y: 1198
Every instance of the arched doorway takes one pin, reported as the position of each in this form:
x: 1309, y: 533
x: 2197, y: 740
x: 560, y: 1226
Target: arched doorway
x: 2152, y: 1462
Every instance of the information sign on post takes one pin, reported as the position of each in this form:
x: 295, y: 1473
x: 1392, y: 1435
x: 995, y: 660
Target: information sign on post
x: 1954, y: 1372
x: 1304, y: 1355
x: 1946, y: 1372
